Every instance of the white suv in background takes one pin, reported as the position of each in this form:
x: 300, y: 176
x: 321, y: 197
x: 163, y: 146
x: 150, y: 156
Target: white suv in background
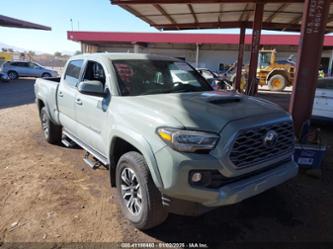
x: 16, y: 69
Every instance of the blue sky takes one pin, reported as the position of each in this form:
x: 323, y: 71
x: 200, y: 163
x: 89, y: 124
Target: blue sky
x: 92, y: 15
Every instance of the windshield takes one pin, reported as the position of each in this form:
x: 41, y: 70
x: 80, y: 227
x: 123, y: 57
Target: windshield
x: 264, y: 59
x: 143, y: 77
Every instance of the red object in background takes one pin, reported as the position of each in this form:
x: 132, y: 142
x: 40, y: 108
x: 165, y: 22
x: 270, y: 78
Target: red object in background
x: 188, y: 38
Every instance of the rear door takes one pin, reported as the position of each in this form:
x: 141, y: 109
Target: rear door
x: 91, y: 111
x: 21, y: 68
x: 66, y: 95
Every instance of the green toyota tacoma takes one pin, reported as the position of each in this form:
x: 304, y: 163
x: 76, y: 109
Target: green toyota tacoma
x: 171, y: 143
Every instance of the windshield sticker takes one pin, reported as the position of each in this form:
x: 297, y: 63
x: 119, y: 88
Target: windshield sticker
x: 124, y: 71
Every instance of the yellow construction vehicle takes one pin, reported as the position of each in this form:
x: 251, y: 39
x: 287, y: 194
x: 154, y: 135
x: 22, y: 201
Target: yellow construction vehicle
x: 277, y: 75
x: 5, y: 56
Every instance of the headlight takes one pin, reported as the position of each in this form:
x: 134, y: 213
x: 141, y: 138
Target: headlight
x: 187, y: 140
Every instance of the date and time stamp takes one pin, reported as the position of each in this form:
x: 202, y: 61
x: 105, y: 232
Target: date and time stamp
x: 164, y: 245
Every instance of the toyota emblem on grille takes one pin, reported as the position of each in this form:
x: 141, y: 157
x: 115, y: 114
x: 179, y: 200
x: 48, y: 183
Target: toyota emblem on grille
x: 270, y: 139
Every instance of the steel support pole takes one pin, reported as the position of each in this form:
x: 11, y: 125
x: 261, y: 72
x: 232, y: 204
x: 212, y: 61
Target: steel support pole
x: 197, y: 55
x: 330, y: 64
x: 136, y: 48
x: 240, y: 59
x: 252, y: 83
x: 308, y: 61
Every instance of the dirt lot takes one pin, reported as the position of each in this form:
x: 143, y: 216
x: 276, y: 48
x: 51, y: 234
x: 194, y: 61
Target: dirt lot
x: 49, y: 195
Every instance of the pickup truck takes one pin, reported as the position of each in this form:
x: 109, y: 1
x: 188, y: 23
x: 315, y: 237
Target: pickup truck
x: 171, y: 143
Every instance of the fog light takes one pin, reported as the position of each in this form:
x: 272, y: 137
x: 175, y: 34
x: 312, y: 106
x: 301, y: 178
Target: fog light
x: 196, y: 177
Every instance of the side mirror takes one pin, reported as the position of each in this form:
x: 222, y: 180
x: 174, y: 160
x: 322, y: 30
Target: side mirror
x: 91, y: 87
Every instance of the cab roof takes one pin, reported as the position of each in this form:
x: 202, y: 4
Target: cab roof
x: 125, y: 56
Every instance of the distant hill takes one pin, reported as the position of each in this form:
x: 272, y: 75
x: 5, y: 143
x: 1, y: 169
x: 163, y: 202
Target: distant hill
x: 21, y: 50
x: 46, y: 59
x: 4, y: 45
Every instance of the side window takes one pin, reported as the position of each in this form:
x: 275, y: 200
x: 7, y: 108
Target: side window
x: 94, y: 71
x: 72, y: 73
x: 20, y: 64
x: 32, y: 65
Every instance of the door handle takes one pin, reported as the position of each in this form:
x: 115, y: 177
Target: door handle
x: 78, y: 101
x: 60, y: 94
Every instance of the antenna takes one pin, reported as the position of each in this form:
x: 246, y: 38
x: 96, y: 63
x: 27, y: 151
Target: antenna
x: 71, y: 20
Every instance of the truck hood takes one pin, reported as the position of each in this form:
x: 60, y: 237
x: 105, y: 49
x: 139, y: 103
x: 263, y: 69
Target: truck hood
x: 209, y: 111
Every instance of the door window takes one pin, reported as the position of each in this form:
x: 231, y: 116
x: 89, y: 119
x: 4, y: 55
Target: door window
x: 94, y: 71
x: 72, y: 74
x: 33, y: 65
x: 20, y: 64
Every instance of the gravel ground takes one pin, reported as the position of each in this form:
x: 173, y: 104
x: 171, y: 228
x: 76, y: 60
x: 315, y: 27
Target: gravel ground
x: 49, y: 195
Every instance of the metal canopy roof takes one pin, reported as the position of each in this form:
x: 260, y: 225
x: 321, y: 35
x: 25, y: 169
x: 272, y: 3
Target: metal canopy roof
x: 183, y: 38
x: 6, y: 21
x: 194, y: 14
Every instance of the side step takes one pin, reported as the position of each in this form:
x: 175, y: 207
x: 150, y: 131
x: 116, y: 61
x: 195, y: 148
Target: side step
x: 68, y: 142
x: 91, y: 161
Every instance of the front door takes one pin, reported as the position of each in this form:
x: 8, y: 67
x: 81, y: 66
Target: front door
x: 91, y: 111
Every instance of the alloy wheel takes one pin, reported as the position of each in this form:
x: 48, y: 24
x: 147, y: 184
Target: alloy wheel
x: 131, y: 191
x: 45, y: 125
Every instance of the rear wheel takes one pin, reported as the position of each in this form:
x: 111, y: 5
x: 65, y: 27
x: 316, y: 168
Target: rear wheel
x: 277, y: 82
x: 52, y: 132
x: 141, y: 201
x: 13, y: 75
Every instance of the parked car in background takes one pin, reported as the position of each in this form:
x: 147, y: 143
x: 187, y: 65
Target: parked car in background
x: 323, y: 102
x: 216, y: 81
x: 171, y: 143
x: 16, y: 69
x: 4, y: 77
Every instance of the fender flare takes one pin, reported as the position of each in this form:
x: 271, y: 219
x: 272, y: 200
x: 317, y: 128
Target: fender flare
x: 141, y: 143
x: 276, y: 71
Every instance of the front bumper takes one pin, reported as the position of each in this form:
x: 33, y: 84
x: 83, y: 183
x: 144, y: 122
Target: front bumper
x: 175, y: 168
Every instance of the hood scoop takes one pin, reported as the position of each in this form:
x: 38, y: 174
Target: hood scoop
x: 221, y: 99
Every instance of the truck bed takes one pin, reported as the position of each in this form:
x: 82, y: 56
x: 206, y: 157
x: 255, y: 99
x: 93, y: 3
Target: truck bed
x: 47, y: 90
x: 54, y: 79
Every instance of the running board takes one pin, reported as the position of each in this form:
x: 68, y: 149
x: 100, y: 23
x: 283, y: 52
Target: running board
x: 87, y: 148
x: 91, y: 161
x: 68, y: 142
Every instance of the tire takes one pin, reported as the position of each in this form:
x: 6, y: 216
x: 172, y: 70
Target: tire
x: 13, y: 75
x: 277, y: 82
x: 145, y: 212
x: 52, y: 132
x: 46, y: 75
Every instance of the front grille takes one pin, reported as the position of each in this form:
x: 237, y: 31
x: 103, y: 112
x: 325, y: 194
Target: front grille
x: 249, y: 149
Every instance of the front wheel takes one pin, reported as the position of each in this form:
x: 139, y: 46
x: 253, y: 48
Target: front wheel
x: 46, y: 75
x: 277, y: 82
x: 141, y: 201
x: 52, y: 132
